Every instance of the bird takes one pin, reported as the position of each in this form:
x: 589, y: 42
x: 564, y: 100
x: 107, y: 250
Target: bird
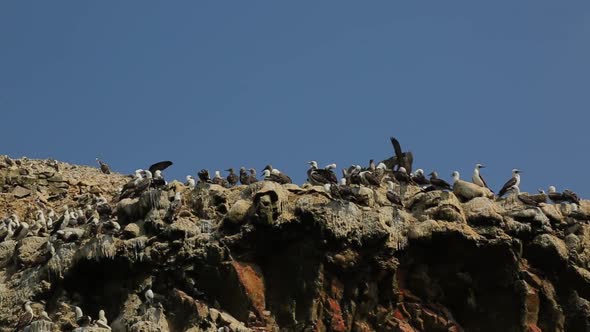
x: 419, y: 178
x: 218, y: 180
x: 174, y: 208
x: 104, y: 168
x: 44, y: 316
x: 527, y: 199
x: 275, y: 175
x: 317, y: 176
x: 554, y: 196
x: 456, y: 177
x: 158, y: 180
x: 26, y: 318
x: 244, y: 177
x: 129, y: 187
x: 190, y: 181
x: 81, y: 320
x: 204, y: 176
x: 401, y: 159
x: 160, y: 166
x: 102, y: 320
x: 511, y: 184
x: 368, y: 178
x: 149, y: 296
x: 232, y: 178
x: 477, y: 178
x: 437, y: 183
x: 571, y: 196
x: 392, y: 196
x: 402, y: 176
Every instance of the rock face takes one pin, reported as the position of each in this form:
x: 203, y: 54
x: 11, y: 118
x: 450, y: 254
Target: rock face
x: 267, y: 257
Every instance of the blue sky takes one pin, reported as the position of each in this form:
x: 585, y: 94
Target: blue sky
x: 210, y: 84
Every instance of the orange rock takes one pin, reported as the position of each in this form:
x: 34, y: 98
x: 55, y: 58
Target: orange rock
x: 252, y: 280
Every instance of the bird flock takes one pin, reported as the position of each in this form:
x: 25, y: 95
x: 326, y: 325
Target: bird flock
x: 94, y: 216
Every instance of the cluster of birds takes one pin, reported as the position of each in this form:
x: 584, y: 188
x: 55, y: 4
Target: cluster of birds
x: 28, y: 316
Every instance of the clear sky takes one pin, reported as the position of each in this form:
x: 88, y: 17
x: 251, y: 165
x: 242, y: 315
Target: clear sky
x: 214, y: 84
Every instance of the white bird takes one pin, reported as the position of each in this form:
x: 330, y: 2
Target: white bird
x: 456, y: 177
x: 477, y: 178
x: 511, y: 184
x: 149, y: 296
x: 102, y: 320
x: 190, y: 182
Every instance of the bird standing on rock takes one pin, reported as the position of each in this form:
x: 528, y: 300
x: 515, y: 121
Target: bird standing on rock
x: 477, y: 178
x: 104, y: 168
x: 232, y: 178
x: 511, y: 184
x: 437, y: 183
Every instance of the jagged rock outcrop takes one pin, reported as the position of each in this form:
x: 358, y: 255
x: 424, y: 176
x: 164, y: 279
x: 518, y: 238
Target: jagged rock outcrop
x: 270, y: 257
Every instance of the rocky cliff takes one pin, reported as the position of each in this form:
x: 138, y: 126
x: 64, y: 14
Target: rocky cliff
x: 270, y: 257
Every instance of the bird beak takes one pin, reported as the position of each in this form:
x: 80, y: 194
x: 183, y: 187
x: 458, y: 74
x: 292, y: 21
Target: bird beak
x: 482, y: 166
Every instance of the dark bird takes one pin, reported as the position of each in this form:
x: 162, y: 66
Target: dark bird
x: 174, y: 208
x: 368, y: 178
x: 352, y: 174
x: 511, y: 184
x: 159, y: 166
x: 527, y: 199
x: 437, y: 183
x: 232, y: 178
x: 204, y: 176
x: 104, y: 168
x: 26, y: 318
x: 419, y: 178
x: 252, y: 177
x: 392, y: 196
x: 571, y: 196
x: 276, y: 176
x: 401, y: 159
x: 244, y: 178
x: 477, y: 178
x: 317, y: 176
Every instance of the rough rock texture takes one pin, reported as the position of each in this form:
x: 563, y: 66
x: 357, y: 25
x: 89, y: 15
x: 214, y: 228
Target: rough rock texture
x: 267, y: 257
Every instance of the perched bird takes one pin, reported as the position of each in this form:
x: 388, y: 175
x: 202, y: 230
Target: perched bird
x: 102, y: 320
x: 104, y: 168
x: 477, y: 178
x: 527, y: 199
x: 275, y: 175
x: 402, y: 176
x: 26, y: 318
x: 217, y: 179
x: 159, y: 166
x: 204, y: 176
x: 149, y: 296
x: 369, y: 178
x: 511, y: 184
x: 232, y: 178
x: 158, y: 180
x: 571, y: 196
x: 44, y: 316
x: 401, y: 159
x: 252, y: 176
x: 419, y: 178
x: 174, y: 208
x: 190, y: 181
x: 244, y: 178
x: 392, y: 196
x: 81, y: 320
x: 437, y: 183
x: 554, y: 196
x: 317, y: 176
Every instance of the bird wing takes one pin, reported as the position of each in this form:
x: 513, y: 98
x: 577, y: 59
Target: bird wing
x: 485, y: 184
x: 507, y: 186
x: 397, y: 147
x: 160, y: 166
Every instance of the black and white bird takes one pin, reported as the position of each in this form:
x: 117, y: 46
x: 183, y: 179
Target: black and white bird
x: 275, y: 175
x: 317, y: 176
x: 244, y: 178
x: 419, y: 178
x: 571, y: 196
x: 477, y: 178
x: 402, y: 176
x: 149, y: 296
x: 437, y: 183
x: 81, y: 319
x: 554, y: 196
x: 512, y: 184
x: 102, y: 321
x: 174, y: 208
x: 204, y: 176
x: 218, y: 180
